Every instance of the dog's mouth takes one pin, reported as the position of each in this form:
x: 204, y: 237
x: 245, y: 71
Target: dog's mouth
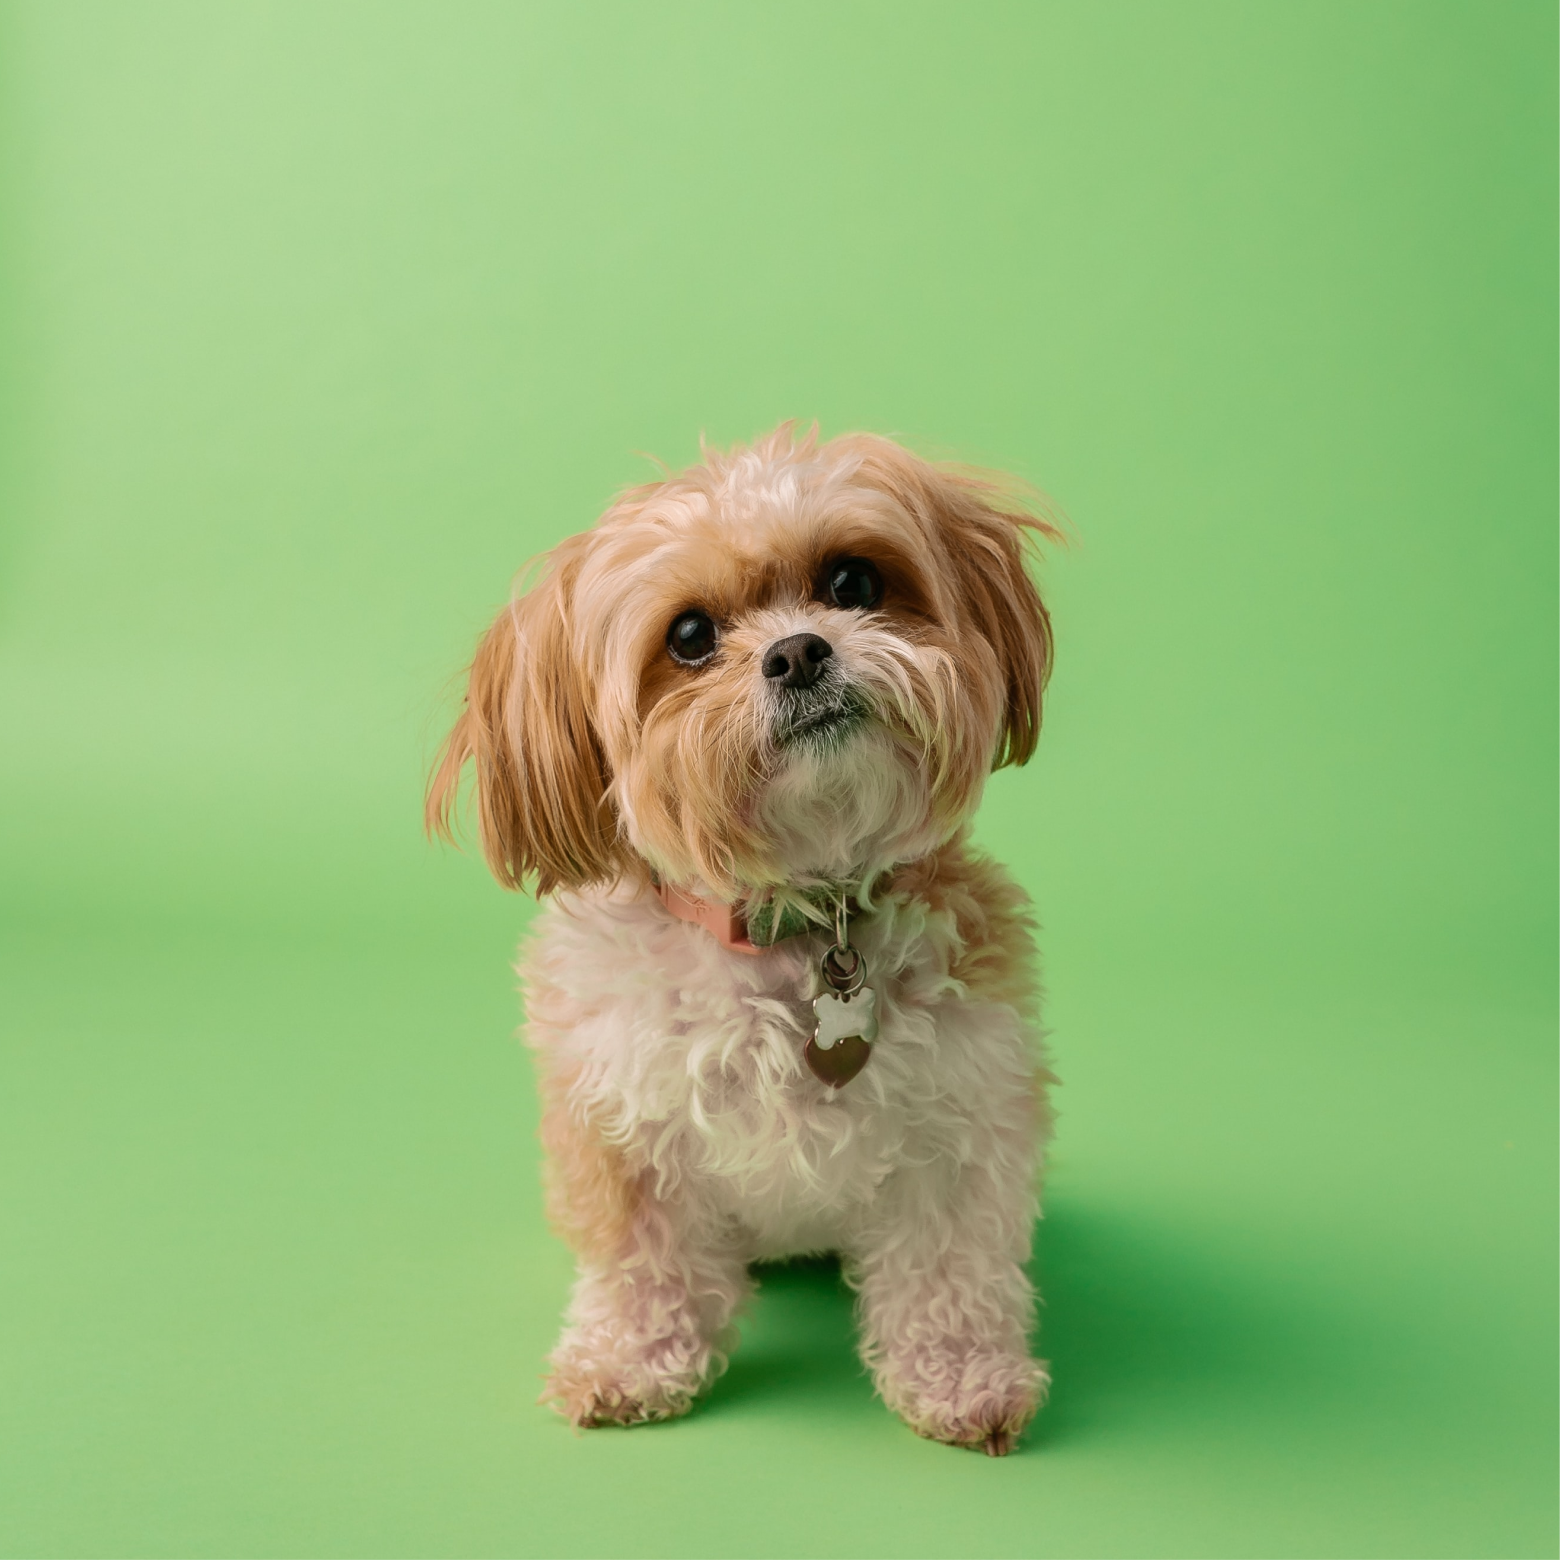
x: 821, y: 725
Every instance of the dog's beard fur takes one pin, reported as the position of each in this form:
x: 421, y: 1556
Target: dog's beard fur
x: 734, y: 785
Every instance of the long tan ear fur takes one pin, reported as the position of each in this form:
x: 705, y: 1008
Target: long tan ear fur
x: 987, y: 533
x: 541, y: 778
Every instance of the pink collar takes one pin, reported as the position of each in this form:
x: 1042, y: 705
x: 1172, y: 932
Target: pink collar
x: 724, y: 922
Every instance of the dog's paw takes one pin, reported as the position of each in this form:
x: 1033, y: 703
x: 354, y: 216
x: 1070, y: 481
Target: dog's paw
x: 981, y: 1401
x: 593, y: 1403
x: 613, y: 1385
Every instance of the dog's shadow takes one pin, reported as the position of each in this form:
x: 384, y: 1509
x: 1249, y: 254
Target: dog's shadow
x: 798, y: 1342
x: 1132, y: 1312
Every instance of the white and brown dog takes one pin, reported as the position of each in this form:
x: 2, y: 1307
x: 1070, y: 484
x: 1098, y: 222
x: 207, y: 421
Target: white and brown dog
x: 779, y: 1005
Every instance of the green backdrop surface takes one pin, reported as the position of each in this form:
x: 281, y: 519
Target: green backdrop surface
x: 319, y: 320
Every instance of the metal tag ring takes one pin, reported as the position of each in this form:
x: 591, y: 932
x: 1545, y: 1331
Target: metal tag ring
x: 845, y: 978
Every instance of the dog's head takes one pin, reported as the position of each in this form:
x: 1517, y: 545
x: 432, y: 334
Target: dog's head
x: 792, y: 665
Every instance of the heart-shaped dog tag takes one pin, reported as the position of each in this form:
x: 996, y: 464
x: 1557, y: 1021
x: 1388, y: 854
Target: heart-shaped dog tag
x: 841, y: 1043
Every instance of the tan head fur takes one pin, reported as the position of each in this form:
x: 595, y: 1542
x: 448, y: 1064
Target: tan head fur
x: 598, y: 754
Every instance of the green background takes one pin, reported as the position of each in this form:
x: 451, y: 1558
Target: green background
x: 319, y: 320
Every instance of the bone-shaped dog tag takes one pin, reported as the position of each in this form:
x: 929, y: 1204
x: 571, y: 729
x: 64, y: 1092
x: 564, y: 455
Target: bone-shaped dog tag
x: 846, y: 1026
x: 841, y: 1017
x: 844, y: 1016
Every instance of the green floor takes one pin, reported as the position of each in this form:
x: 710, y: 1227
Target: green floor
x: 276, y: 1283
x: 317, y: 321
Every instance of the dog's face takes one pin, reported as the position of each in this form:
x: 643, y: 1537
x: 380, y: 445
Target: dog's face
x: 790, y: 666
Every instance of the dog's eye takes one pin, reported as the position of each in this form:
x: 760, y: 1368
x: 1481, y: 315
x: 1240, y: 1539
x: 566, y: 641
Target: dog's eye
x: 692, y: 638
x: 853, y: 582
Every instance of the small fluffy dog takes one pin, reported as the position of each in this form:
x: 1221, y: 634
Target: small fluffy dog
x: 779, y: 1005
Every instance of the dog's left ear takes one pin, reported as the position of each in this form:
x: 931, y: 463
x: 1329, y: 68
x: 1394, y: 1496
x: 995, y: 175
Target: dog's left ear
x: 986, y: 536
x: 989, y: 543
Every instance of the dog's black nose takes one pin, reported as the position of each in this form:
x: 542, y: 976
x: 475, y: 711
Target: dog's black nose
x: 797, y: 662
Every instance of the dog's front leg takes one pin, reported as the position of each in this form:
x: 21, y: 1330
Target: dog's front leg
x: 639, y: 1346
x: 653, y: 1300
x: 946, y: 1307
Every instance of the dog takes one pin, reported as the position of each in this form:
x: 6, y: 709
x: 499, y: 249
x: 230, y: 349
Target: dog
x: 735, y: 735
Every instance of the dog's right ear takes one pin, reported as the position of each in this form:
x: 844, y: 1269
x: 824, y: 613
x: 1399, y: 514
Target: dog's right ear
x: 541, y: 778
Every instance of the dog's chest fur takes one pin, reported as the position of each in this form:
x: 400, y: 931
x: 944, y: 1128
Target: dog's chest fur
x: 686, y: 1060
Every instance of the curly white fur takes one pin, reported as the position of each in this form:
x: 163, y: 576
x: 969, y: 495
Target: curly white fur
x: 687, y: 1059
